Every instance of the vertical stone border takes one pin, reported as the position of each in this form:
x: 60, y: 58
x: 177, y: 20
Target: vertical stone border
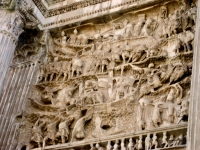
x: 193, y: 142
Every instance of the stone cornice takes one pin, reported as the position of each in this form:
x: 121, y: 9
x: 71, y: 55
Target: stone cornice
x: 74, y: 6
x: 97, y: 10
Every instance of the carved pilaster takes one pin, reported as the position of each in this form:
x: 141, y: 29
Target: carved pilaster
x: 194, y: 119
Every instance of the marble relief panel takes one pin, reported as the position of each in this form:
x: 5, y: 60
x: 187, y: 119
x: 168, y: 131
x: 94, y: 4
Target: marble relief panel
x: 131, y: 75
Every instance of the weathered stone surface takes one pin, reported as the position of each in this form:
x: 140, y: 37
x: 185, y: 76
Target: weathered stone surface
x: 102, y: 74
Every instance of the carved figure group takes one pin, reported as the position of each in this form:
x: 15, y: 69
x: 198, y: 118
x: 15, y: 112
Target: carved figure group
x: 131, y: 73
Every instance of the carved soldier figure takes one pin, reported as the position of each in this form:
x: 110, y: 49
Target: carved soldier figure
x: 129, y: 28
x: 73, y: 37
x: 77, y: 65
x: 37, y: 132
x: 51, y: 132
x: 63, y: 38
x: 63, y: 129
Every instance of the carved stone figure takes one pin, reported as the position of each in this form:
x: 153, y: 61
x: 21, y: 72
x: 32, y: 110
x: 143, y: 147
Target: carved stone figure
x: 47, y: 95
x: 163, y: 12
x: 63, y: 129
x: 126, y: 53
x: 149, y: 27
x: 130, y: 145
x: 98, y: 147
x: 136, y: 55
x: 193, y: 13
x: 170, y: 113
x: 64, y: 38
x: 77, y: 65
x: 175, y: 22
x: 51, y: 131
x: 109, y: 146
x: 164, y: 139
x: 138, y: 27
x: 178, y: 72
x: 78, y: 131
x: 116, y: 145
x: 73, y: 37
x: 118, y: 32
x: 154, y: 141
x: 82, y: 39
x: 156, y: 116
x: 170, y: 141
x: 92, y: 147
x: 186, y: 39
x: 140, y: 147
x: 184, y: 110
x: 129, y: 28
x: 166, y: 71
x: 37, y: 132
x: 91, y: 94
x: 178, y: 140
x: 148, y: 142
x: 116, y: 53
x: 64, y: 97
x: 123, y: 145
x: 121, y: 72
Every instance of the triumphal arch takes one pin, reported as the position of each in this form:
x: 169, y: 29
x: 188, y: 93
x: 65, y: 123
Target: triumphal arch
x: 99, y: 75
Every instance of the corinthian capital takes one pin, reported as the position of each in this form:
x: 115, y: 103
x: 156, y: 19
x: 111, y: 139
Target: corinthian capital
x: 11, y: 23
x: 26, y: 12
x: 14, y: 19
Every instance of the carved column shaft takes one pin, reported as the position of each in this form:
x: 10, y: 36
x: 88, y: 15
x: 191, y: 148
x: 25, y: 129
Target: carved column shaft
x: 11, y: 27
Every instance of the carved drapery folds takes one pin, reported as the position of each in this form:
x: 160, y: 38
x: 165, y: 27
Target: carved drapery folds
x: 104, y: 82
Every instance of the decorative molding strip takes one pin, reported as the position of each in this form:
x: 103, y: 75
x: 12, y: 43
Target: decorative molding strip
x: 65, y: 9
x: 15, y: 39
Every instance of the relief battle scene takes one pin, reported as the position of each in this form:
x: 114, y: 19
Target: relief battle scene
x: 129, y: 78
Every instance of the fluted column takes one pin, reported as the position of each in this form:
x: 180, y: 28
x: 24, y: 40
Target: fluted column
x: 11, y: 24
